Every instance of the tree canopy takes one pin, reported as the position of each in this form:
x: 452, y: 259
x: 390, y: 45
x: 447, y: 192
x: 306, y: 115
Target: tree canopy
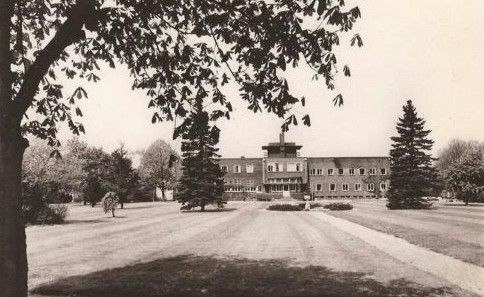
x: 159, y: 166
x: 178, y: 52
x: 461, y: 165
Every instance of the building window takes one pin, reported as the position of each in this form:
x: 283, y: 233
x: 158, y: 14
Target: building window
x: 270, y: 167
x: 383, y: 186
x: 278, y: 167
x: 312, y: 171
x: 250, y: 168
x: 224, y: 168
x: 294, y: 167
x: 250, y: 186
x: 237, y: 169
x: 318, y: 187
x: 332, y: 187
x: 357, y: 187
x: 299, y: 167
x: 372, y: 171
x: 362, y: 171
x: 351, y: 171
x: 330, y: 171
x: 383, y: 171
x: 341, y: 171
x: 319, y: 171
x: 345, y: 187
x: 370, y: 187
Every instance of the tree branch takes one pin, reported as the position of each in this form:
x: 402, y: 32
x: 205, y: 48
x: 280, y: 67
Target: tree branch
x: 82, y: 14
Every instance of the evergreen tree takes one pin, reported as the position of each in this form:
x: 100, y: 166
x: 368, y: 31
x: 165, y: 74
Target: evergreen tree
x: 121, y: 177
x: 412, y: 175
x: 201, y: 182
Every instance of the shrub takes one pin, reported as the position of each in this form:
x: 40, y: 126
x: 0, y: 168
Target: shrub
x: 285, y: 207
x: 45, y: 214
x: 264, y: 197
x: 313, y: 205
x: 338, y: 206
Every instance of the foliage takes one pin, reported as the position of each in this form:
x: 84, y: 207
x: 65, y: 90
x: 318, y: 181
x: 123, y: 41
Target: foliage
x: 311, y: 204
x: 201, y: 182
x: 38, y: 212
x: 109, y: 202
x: 159, y: 166
x: 178, y: 51
x: 465, y: 177
x: 459, y: 167
x: 338, y: 206
x: 285, y: 207
x: 95, y: 166
x: 412, y: 175
x: 264, y: 196
x: 120, y: 176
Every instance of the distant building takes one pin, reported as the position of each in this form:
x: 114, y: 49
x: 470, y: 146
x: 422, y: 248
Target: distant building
x: 282, y: 170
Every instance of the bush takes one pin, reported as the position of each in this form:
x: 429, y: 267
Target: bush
x: 285, y: 207
x: 338, y: 206
x: 313, y: 205
x: 45, y: 214
x: 264, y: 197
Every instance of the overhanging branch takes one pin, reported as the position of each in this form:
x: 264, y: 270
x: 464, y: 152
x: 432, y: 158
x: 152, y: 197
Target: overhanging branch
x: 82, y: 14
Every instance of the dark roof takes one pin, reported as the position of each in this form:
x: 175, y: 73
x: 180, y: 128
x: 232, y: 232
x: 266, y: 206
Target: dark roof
x: 277, y: 144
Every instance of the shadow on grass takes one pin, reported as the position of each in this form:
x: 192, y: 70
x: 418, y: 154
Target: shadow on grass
x: 206, y: 276
x: 210, y: 210
x: 75, y: 221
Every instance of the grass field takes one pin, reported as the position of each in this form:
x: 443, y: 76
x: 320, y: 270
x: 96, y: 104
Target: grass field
x: 153, y: 249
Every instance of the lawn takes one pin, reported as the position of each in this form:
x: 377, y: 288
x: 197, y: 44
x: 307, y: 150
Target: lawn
x: 153, y: 249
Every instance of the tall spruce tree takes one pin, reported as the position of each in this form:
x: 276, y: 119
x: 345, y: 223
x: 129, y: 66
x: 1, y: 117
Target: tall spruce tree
x: 201, y: 182
x: 412, y: 175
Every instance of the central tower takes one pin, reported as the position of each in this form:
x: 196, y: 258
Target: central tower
x: 283, y: 170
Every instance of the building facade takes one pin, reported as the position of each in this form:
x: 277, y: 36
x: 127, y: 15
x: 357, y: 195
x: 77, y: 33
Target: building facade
x: 283, y: 171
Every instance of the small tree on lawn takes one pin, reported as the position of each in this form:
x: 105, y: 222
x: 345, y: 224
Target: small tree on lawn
x: 201, y: 182
x: 412, y: 175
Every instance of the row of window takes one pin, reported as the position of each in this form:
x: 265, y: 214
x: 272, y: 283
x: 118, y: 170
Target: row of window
x: 236, y: 181
x: 346, y: 187
x: 278, y: 167
x: 243, y: 189
x: 238, y: 168
x: 298, y: 167
x: 347, y: 171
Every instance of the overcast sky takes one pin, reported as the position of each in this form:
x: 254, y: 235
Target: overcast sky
x: 429, y: 51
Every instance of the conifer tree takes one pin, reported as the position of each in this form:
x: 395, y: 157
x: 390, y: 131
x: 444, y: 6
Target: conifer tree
x: 201, y: 182
x: 412, y: 175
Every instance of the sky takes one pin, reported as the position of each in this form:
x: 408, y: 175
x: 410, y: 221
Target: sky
x: 427, y: 51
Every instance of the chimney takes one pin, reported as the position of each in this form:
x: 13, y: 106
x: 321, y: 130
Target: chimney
x: 281, y: 138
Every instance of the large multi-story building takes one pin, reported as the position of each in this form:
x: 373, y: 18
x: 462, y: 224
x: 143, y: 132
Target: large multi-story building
x: 282, y: 170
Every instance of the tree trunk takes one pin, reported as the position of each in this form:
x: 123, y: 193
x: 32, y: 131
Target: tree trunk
x: 163, y: 197
x: 112, y: 210
x: 13, y: 263
x: 202, y: 206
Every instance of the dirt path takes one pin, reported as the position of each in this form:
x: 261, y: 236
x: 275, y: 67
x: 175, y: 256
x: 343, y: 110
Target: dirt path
x: 146, y: 232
